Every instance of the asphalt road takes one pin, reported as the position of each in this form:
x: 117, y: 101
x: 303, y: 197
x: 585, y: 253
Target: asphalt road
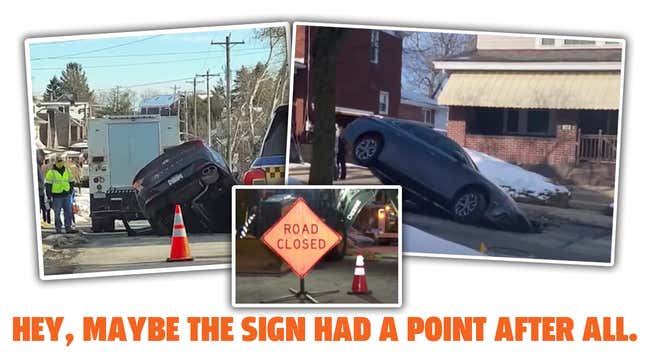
x: 381, y: 276
x: 559, y: 240
x: 103, y: 252
x: 569, y: 234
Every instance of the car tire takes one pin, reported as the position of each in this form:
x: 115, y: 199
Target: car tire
x: 367, y: 149
x: 469, y: 206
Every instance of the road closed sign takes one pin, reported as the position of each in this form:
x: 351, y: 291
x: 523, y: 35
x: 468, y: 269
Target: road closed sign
x: 301, y: 238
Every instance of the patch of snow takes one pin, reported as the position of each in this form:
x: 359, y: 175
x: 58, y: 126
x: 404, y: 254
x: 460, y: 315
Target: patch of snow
x: 418, y: 241
x: 298, y: 166
x: 516, y: 181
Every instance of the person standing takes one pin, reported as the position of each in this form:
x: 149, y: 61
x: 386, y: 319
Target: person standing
x: 341, y: 166
x: 58, y: 184
x: 44, y: 205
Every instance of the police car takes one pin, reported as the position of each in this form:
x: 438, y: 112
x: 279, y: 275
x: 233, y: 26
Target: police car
x: 269, y: 167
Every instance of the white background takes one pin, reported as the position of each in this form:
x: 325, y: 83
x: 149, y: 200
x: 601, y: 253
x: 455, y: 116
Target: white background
x: 431, y: 286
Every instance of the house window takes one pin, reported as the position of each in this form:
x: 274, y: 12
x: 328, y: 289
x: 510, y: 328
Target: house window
x: 512, y: 121
x: 578, y: 42
x: 374, y: 46
x: 537, y: 122
x: 428, y: 117
x: 488, y: 121
x: 501, y: 121
x: 384, y: 102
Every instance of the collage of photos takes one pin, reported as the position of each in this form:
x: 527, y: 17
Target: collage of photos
x: 167, y: 151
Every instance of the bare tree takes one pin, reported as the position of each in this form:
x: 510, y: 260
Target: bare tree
x: 420, y: 49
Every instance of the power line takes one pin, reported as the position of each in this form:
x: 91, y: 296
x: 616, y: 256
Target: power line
x: 133, y: 64
x: 100, y: 49
x: 126, y: 64
x: 142, y: 54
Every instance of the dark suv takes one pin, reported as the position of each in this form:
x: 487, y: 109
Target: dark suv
x: 194, y: 176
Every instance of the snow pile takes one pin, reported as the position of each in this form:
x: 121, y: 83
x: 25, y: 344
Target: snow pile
x: 418, y: 241
x: 516, y: 181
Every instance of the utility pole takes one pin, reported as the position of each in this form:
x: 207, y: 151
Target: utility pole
x: 208, y: 76
x: 186, y: 113
x: 116, y: 100
x: 194, y: 103
x: 228, y: 43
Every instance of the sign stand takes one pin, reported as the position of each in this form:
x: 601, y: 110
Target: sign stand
x: 302, y: 294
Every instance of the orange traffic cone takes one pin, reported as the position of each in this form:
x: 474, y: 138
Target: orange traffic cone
x: 359, y: 285
x: 179, y: 248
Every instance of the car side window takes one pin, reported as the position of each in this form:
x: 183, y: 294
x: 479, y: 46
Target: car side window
x: 443, y: 143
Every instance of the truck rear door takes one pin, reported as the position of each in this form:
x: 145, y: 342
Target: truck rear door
x: 131, y: 146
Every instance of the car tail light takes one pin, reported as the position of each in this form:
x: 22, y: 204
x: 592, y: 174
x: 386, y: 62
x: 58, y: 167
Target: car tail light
x: 254, y: 176
x: 381, y: 213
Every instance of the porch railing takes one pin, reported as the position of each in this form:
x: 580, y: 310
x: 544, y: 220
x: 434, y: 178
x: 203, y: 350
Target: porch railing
x: 597, y: 147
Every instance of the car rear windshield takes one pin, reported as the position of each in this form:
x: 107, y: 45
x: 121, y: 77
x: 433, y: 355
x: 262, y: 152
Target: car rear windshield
x: 275, y: 141
x: 438, y: 140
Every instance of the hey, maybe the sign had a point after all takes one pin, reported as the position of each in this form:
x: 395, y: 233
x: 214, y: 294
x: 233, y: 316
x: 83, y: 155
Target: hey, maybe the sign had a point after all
x: 301, y: 238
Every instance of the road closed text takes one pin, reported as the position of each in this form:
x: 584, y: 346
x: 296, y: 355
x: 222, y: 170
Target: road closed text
x: 300, y: 236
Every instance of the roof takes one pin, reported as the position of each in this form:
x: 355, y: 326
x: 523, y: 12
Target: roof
x: 539, y: 55
x: 417, y: 99
x: 552, y: 90
x: 159, y: 101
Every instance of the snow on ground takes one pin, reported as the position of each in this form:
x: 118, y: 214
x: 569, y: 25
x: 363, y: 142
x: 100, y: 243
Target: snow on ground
x: 83, y: 202
x: 418, y: 241
x: 516, y: 181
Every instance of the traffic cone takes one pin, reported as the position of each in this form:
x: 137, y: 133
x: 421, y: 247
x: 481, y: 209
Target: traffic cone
x: 359, y: 285
x: 179, y: 248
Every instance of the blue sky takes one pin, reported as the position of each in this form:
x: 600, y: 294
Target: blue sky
x: 150, y: 58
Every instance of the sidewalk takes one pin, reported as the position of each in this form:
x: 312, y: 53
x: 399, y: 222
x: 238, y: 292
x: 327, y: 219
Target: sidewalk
x: 595, y: 198
x: 573, y: 215
x: 356, y: 175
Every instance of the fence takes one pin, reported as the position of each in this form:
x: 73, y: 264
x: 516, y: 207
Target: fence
x: 597, y: 147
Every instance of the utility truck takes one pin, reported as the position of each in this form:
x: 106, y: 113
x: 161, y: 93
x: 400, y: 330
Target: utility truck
x: 118, y: 147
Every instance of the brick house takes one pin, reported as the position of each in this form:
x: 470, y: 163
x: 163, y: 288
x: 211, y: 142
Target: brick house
x: 368, y: 76
x: 417, y: 107
x: 535, y: 101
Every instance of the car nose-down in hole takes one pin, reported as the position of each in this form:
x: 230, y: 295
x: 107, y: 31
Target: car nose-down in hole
x: 432, y: 169
x: 193, y: 175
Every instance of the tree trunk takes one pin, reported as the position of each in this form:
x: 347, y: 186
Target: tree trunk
x: 324, y: 53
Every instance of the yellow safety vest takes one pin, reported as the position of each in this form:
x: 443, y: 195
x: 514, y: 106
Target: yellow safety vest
x: 60, y: 183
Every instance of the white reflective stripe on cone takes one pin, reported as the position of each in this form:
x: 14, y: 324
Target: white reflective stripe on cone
x: 179, y: 231
x: 359, y: 271
x: 178, y: 219
x: 359, y: 260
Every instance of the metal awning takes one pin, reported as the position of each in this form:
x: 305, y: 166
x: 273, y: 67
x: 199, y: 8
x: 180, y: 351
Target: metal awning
x: 555, y: 90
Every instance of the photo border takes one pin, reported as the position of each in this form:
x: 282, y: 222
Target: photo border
x: 399, y: 303
x: 623, y: 46
x: 30, y: 103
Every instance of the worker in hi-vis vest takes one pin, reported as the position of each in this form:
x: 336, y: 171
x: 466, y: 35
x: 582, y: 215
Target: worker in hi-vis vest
x: 58, y: 184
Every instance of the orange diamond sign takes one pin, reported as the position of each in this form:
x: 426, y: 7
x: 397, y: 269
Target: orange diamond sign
x: 300, y: 238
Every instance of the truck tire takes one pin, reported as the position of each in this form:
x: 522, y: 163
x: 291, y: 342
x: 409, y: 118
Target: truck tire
x: 102, y: 224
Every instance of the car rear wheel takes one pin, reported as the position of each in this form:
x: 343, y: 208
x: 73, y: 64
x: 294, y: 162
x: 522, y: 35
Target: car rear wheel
x: 469, y: 206
x: 367, y: 149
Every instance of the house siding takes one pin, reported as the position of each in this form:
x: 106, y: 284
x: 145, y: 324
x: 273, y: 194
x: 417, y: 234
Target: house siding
x: 505, y: 42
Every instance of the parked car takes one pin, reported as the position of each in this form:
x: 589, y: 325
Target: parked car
x: 190, y: 174
x: 269, y: 167
x: 431, y: 168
